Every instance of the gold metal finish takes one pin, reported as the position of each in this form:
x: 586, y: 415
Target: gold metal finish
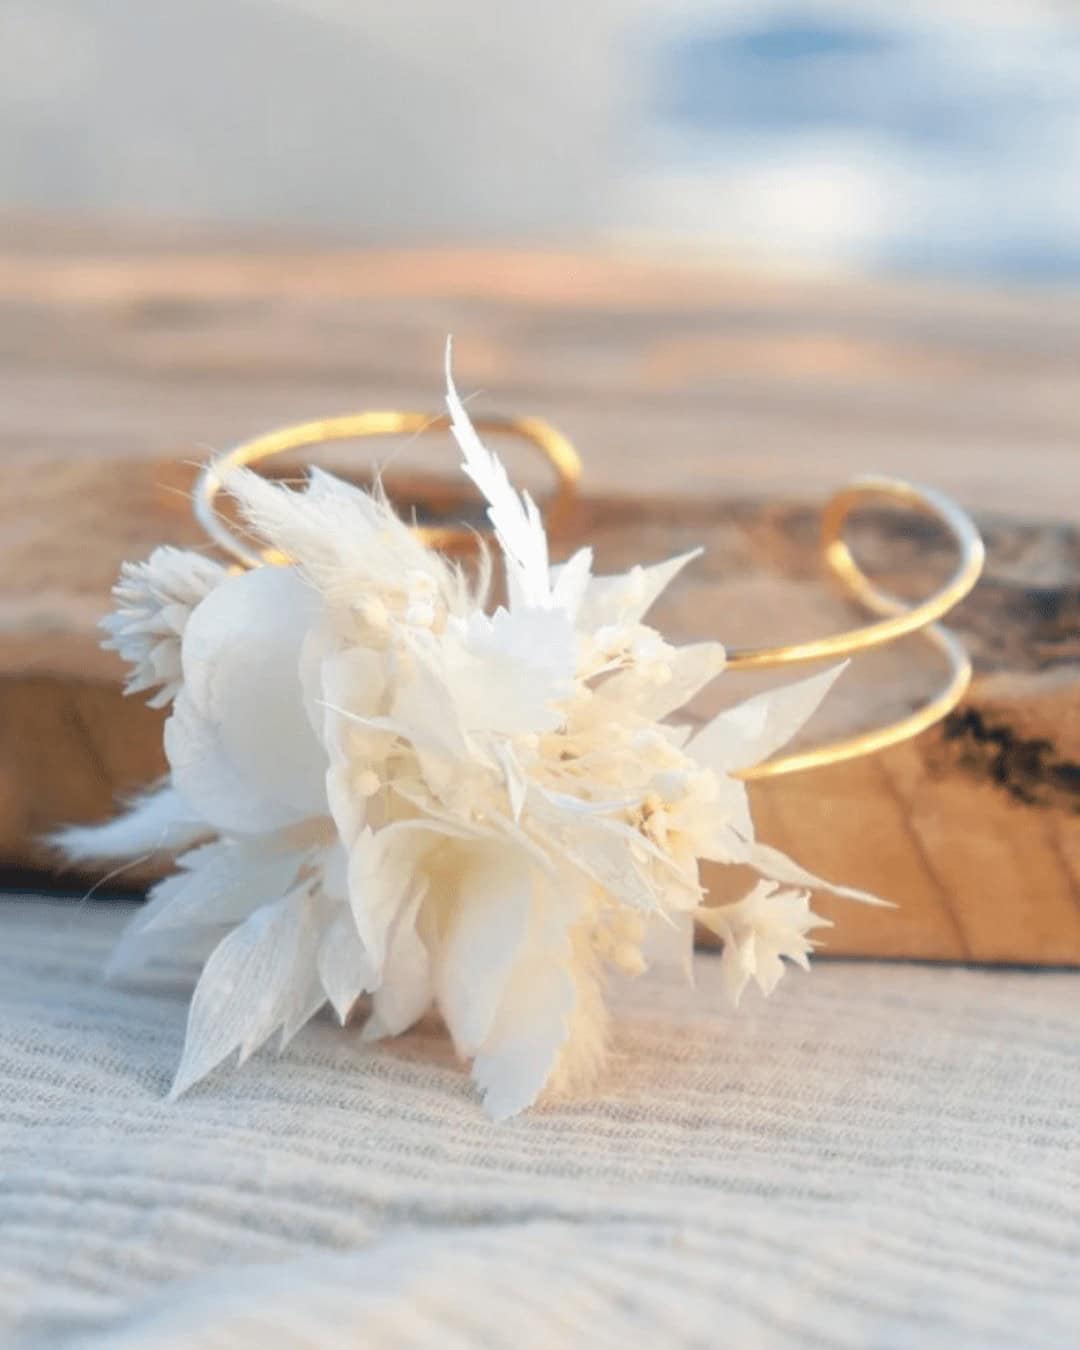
x: 558, y: 451
x: 900, y: 619
x: 897, y: 618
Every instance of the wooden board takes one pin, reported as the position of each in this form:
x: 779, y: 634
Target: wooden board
x: 710, y: 409
x: 973, y: 829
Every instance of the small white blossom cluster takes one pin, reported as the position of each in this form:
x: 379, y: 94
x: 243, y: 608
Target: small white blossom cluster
x: 386, y: 790
x: 153, y: 602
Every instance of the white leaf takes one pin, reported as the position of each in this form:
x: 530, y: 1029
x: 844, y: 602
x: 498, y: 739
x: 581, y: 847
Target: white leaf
x: 405, y: 992
x: 529, y: 1031
x: 238, y: 1000
x: 623, y: 601
x: 133, y: 949
x: 647, y: 850
x: 344, y: 967
x: 171, y: 959
x: 734, y: 826
x: 484, y: 937
x: 685, y: 672
x: 770, y: 862
x: 218, y: 886
x: 598, y: 851
x: 223, y: 882
x: 570, y: 582
x: 376, y: 891
x: 583, y: 806
x: 434, y: 817
x: 306, y: 998
x: 302, y: 994
x: 752, y: 731
x: 385, y: 868
x: 515, y: 519
x: 517, y: 783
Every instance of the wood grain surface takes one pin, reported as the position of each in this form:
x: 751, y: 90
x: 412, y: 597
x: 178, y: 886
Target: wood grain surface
x: 710, y: 408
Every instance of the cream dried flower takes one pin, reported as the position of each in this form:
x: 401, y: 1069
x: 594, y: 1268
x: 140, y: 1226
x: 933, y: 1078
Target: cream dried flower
x: 480, y: 812
x: 154, y: 600
x: 757, y: 931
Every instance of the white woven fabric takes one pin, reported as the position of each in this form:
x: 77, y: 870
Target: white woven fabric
x: 883, y: 1155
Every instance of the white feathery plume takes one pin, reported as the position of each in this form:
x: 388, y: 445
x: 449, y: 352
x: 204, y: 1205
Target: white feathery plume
x: 156, y: 822
x: 514, y: 517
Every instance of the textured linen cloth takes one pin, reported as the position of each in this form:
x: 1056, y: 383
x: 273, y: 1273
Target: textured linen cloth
x: 880, y: 1156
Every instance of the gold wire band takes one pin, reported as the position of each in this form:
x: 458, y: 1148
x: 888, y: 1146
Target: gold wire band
x: 901, y: 619
x: 556, y: 449
x: 898, y: 618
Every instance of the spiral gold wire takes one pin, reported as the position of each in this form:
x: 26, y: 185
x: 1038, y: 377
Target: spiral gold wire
x: 899, y: 619
x: 896, y: 619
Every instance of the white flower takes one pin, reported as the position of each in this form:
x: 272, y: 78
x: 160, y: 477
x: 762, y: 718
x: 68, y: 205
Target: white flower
x: 757, y: 931
x: 153, y: 602
x: 248, y: 772
x: 445, y: 807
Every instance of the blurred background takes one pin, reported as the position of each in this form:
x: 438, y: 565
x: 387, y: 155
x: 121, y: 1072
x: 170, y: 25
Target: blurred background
x: 739, y: 251
x: 929, y: 137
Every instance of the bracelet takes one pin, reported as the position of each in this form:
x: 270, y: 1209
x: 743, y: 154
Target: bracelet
x: 388, y: 794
